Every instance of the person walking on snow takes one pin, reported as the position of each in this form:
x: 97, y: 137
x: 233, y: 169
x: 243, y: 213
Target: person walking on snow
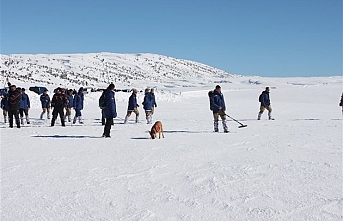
x: 24, y: 107
x: 4, y: 106
x: 154, y: 104
x: 265, y: 104
x: 78, y: 105
x: 147, y: 105
x: 132, y: 107
x: 217, y: 103
x: 58, y: 102
x: 45, y: 101
x: 69, y: 105
x: 110, y: 111
x: 341, y: 102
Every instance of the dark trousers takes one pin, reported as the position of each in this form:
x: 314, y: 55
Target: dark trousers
x: 23, y: 111
x: 108, y: 125
x: 55, y: 112
x: 15, y: 113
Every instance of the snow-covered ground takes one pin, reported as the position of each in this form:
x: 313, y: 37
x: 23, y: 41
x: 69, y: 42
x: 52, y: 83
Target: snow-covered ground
x: 286, y: 169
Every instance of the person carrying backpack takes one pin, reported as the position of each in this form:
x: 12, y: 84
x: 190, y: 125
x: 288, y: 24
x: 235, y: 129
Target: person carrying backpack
x: 110, y: 110
x: 217, y: 105
x: 147, y: 105
x: 265, y: 104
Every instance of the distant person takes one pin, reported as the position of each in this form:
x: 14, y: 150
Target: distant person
x: 24, y: 107
x: 147, y: 105
x: 4, y: 106
x: 110, y: 110
x: 217, y: 104
x: 265, y: 104
x: 132, y: 107
x: 14, y: 99
x: 154, y: 104
x: 341, y: 102
x: 45, y: 101
x: 78, y: 105
x: 69, y: 105
x: 58, y: 102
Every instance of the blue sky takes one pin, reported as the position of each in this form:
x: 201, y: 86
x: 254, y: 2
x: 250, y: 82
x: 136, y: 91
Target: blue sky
x: 249, y: 37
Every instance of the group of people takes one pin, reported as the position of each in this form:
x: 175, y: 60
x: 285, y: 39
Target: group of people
x: 63, y: 99
x: 149, y: 104
x: 217, y: 105
x: 110, y: 111
x: 16, y: 103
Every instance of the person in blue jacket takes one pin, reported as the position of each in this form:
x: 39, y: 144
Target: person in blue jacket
x: 265, y: 104
x: 69, y: 105
x: 4, y: 106
x: 218, y: 109
x: 154, y: 104
x: 110, y: 111
x: 147, y: 105
x: 78, y: 105
x: 132, y: 106
x: 24, y: 107
x: 45, y: 101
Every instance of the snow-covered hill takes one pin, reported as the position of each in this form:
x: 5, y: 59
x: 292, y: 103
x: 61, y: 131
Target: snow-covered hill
x: 98, y: 69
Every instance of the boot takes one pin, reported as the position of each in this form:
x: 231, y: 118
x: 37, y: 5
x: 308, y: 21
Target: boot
x: 216, y: 126
x: 80, y: 120
x: 41, y: 116
x: 270, y: 116
x: 22, y: 121
x: 5, y: 118
x: 225, y: 127
x: 69, y: 118
x: 259, y: 116
x: 27, y: 119
x: 137, y: 119
x: 149, y: 119
x: 17, y: 123
x: 74, y: 120
x: 126, y: 120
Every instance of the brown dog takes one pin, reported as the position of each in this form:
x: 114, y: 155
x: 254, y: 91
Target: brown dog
x: 157, y: 128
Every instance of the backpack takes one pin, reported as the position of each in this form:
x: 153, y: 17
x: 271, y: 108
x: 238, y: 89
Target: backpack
x: 210, y: 95
x: 102, y: 101
x: 260, y: 98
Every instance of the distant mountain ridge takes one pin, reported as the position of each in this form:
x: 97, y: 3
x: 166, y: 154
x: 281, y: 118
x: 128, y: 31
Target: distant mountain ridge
x: 99, y: 69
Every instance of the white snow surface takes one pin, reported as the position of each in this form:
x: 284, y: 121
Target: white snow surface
x: 286, y: 169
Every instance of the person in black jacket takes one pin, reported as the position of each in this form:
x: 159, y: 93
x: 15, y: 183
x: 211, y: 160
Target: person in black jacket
x: 14, y: 98
x: 58, y: 102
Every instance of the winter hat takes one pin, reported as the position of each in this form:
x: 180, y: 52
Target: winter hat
x: 111, y: 86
